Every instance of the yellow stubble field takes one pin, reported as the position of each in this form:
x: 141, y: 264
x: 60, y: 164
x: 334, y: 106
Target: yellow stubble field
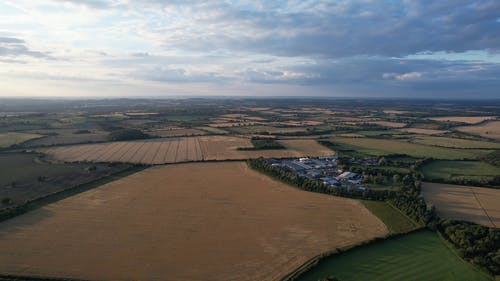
x: 176, y: 150
x: 197, y: 221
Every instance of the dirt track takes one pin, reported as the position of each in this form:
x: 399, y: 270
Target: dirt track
x: 202, y: 221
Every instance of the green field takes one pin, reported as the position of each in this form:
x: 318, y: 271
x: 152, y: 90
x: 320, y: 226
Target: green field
x: 11, y: 138
x: 455, y: 142
x: 419, y: 256
x: 392, y: 218
x: 456, y: 170
x: 381, y: 147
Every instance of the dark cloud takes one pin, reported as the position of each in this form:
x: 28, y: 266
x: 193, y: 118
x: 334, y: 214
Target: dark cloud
x: 350, y: 28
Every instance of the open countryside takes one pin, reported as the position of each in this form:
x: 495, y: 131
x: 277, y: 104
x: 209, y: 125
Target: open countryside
x: 183, y: 150
x: 232, y: 222
x: 476, y: 204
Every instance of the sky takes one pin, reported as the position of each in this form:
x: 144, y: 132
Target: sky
x: 153, y: 48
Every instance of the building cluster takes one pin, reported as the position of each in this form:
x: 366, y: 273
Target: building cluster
x: 323, y: 169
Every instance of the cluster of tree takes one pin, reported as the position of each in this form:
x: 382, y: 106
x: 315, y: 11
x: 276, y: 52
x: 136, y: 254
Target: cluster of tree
x: 128, y: 134
x: 493, y: 158
x: 291, y: 178
x: 486, y: 182
x: 475, y: 243
x: 263, y: 144
x: 415, y: 207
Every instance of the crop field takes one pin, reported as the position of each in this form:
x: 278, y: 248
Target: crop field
x: 475, y: 204
x: 25, y: 176
x: 414, y: 257
x: 379, y: 147
x: 266, y: 129
x: 463, y: 119
x: 175, y: 150
x: 11, y: 138
x: 458, y: 170
x: 66, y: 136
x: 423, y: 131
x: 455, y: 142
x: 229, y: 221
x: 388, y: 124
x: 166, y: 133
x: 393, y: 218
x: 489, y: 129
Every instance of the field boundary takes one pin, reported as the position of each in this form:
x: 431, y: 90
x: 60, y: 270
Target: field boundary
x: 312, y: 262
x: 39, y: 202
x: 450, y: 247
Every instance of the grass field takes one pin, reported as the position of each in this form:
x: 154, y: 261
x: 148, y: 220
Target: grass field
x: 458, y: 170
x: 475, y: 204
x: 11, y: 138
x: 489, y: 129
x: 392, y: 218
x: 20, y: 173
x: 423, y: 131
x: 455, y: 142
x: 380, y: 147
x: 418, y: 256
x: 201, y: 221
x: 66, y: 136
x: 175, y: 150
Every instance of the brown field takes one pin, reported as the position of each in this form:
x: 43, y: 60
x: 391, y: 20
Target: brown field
x: 463, y: 119
x: 175, y: 150
x: 210, y: 221
x: 475, y: 204
x: 395, y: 112
x: 423, y: 131
x: 166, y: 133
x: 489, y: 129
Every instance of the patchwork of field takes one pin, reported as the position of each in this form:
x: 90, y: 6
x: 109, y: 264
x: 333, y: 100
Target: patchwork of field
x: 475, y: 204
x: 455, y: 142
x: 11, y: 138
x: 417, y: 256
x: 175, y: 150
x: 198, y: 221
x: 489, y: 129
x: 380, y: 147
x: 463, y: 119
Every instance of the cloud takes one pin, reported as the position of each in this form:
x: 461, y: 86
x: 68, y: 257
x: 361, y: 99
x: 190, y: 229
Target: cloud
x: 403, y: 76
x: 14, y: 47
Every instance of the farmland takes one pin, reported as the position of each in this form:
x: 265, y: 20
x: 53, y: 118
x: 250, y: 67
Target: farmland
x: 463, y: 119
x: 174, y: 150
x: 459, y: 170
x: 26, y: 176
x: 66, y: 136
x: 476, y: 204
x: 417, y: 256
x: 12, y: 138
x: 394, y: 219
x: 176, y: 132
x: 455, y: 142
x: 490, y: 129
x: 231, y: 222
x: 379, y: 147
x: 423, y: 131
